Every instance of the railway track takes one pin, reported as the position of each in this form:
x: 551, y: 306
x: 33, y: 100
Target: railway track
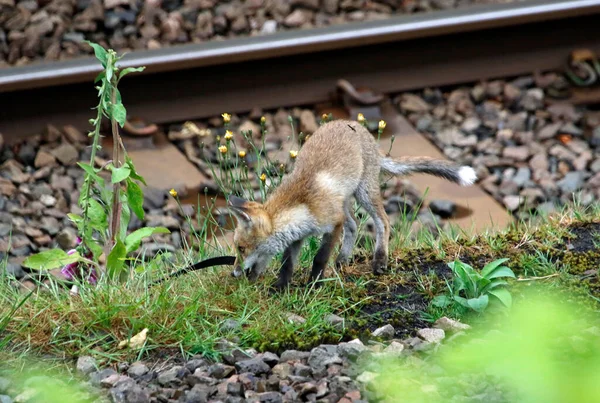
x: 301, y: 67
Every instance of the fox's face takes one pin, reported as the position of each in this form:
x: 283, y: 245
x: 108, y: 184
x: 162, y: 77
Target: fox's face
x: 252, y: 231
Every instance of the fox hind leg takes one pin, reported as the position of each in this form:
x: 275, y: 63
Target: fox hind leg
x: 370, y: 199
x: 324, y: 253
x: 350, y: 234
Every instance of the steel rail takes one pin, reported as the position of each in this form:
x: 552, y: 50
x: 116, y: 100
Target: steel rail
x: 302, y: 66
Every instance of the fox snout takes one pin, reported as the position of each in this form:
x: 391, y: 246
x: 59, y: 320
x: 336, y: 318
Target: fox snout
x: 239, y: 271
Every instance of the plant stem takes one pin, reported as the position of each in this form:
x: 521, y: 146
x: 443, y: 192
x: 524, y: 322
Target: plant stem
x: 115, y: 219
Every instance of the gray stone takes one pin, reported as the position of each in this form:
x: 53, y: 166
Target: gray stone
x: 394, y: 348
x: 198, y: 394
x: 254, y: 365
x: 351, y: 349
x: 294, y: 355
x: 6, y: 399
x: 96, y: 378
x: 335, y: 321
x: 295, y: 319
x: 511, y: 202
x: 450, y: 325
x: 127, y: 391
x: 270, y: 358
x: 518, y: 153
x: 270, y: 397
x: 320, y: 358
x: 15, y: 270
x: 154, y: 198
x: 548, y: 131
x: 137, y: 369
x: 431, y: 335
x: 533, y: 99
x: 66, y: 154
x: 572, y: 182
x: 220, y: 371
x: 282, y: 370
x: 171, y: 376
x: 193, y: 364
x: 522, y: 176
x: 443, y: 208
x: 385, y: 332
x: 86, y: 365
x: 5, y: 383
x: 230, y: 325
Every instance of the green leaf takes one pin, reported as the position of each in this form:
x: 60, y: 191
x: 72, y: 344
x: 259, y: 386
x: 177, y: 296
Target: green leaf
x: 116, y: 259
x: 100, y: 52
x: 91, y: 172
x: 478, y: 304
x: 119, y: 113
x: 135, y: 196
x: 502, y: 271
x: 490, y: 267
x: 441, y: 301
x: 462, y: 301
x: 95, y: 249
x: 503, y: 295
x: 125, y: 216
x: 128, y: 70
x: 97, y: 214
x: 76, y: 218
x: 134, y: 173
x: 133, y: 240
x: 50, y: 259
x: 495, y: 284
x: 100, y: 76
x: 120, y: 174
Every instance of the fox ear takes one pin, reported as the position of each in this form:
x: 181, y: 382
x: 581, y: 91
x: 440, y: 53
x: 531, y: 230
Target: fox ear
x: 238, y: 207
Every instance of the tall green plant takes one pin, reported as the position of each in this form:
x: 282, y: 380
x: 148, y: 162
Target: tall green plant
x: 106, y: 210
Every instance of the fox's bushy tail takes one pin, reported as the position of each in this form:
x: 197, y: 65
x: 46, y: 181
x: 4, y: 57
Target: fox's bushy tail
x: 463, y: 175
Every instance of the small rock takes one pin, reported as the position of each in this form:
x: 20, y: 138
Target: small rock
x: 294, y: 355
x: 511, y: 202
x: 549, y: 131
x: 137, y: 369
x: 254, y: 365
x: 44, y: 159
x: 572, y: 182
x: 282, y: 370
x: 385, y: 332
x: 270, y: 358
x: 220, y: 371
x: 394, y: 348
x: 127, y: 391
x: 66, y: 154
x: 431, y: 335
x: 335, y: 321
x: 295, y: 319
x: 198, y: 394
x: 351, y: 349
x: 308, y: 122
x: 86, y: 365
x: 269, y: 27
x: 320, y: 358
x: 297, y: 18
x: 519, y: 153
x: 443, y: 208
x: 270, y: 397
x: 96, y: 378
x: 366, y: 377
x: 230, y: 325
x: 450, y: 325
x: 5, y: 399
x: 522, y: 176
x: 171, y: 376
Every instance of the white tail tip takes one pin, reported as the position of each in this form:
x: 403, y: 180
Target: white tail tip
x: 467, y: 176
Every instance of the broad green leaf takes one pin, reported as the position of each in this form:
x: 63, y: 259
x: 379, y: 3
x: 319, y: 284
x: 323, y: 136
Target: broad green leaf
x: 76, y: 218
x: 134, y: 173
x: 50, y: 259
x: 100, y: 76
x: 125, y: 217
x: 97, y: 214
x: 135, y: 196
x: 119, y: 113
x: 441, y: 301
x: 100, y: 52
x: 503, y: 295
x: 116, y: 259
x: 468, y: 276
x: 462, y: 301
x: 109, y: 71
x: 482, y: 282
x: 502, y: 271
x: 95, y: 249
x: 133, y: 240
x: 496, y: 283
x: 490, y: 267
x: 120, y: 174
x: 91, y: 172
x: 478, y: 304
x: 128, y: 70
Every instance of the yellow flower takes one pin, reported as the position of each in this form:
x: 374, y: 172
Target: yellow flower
x: 306, y: 138
x: 228, y: 135
x: 242, y: 154
x: 324, y: 117
x: 293, y: 153
x: 263, y: 120
x: 361, y: 117
x: 382, y: 124
x: 263, y: 177
x: 226, y: 117
x: 173, y: 192
x: 223, y: 149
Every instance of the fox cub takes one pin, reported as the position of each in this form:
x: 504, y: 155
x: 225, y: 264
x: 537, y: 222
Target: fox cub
x: 341, y: 160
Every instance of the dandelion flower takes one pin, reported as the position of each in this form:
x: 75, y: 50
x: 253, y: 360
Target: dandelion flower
x: 228, y: 135
x: 293, y: 153
x: 382, y: 124
x: 361, y: 118
x: 223, y: 149
x: 173, y: 192
x: 263, y: 120
x: 324, y: 117
x: 263, y: 177
x: 242, y: 154
x: 226, y: 117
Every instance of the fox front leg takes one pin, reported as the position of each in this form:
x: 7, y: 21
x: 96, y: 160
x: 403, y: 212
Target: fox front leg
x: 289, y: 260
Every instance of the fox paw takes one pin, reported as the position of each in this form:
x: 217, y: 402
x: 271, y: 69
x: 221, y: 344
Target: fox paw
x: 379, y: 267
